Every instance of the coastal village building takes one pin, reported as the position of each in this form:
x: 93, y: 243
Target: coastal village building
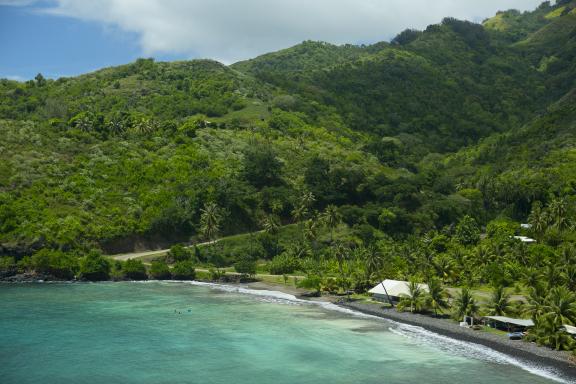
x: 393, y: 290
x: 569, y: 329
x: 525, y: 239
x: 508, y: 324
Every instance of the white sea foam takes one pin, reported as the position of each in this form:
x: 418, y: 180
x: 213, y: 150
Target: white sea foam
x: 416, y: 334
x: 469, y: 349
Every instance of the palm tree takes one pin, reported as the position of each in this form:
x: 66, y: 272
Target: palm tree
x: 302, y: 211
x: 311, y: 233
x: 538, y: 219
x: 536, y: 301
x: 558, y: 209
x: 415, y: 299
x: 545, y: 332
x: 271, y: 226
x: 521, y: 253
x: 341, y: 253
x: 331, y: 218
x: 299, y: 213
x: 531, y: 277
x: 116, y: 127
x: 437, y: 296
x: 210, y: 221
x: 307, y: 200
x: 444, y: 267
x: 464, y: 304
x: 372, y: 261
x: 569, y: 273
x: 568, y: 254
x: 499, y: 304
x: 560, y: 308
x: 84, y: 123
x: 552, y: 276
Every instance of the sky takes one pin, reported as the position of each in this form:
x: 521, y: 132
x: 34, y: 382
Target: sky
x: 70, y: 37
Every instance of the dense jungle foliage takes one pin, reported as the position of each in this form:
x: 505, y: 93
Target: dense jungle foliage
x: 414, y: 159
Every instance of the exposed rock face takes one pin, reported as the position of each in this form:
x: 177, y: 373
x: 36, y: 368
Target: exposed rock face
x: 28, y: 277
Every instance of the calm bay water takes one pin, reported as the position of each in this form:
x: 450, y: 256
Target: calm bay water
x: 181, y: 333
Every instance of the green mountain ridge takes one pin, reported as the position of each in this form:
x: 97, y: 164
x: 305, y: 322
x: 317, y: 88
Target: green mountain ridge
x: 128, y: 156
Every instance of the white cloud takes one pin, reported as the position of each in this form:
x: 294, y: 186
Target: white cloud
x: 231, y: 30
x: 17, y: 3
x: 13, y: 77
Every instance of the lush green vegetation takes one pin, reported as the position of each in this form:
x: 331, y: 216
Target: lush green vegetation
x: 416, y: 159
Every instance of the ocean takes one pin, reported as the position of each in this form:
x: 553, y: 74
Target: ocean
x: 170, y: 332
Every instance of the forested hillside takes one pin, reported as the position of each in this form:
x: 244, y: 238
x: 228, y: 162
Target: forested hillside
x: 398, y: 142
x: 134, y: 152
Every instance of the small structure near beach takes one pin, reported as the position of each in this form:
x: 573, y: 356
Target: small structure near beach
x: 508, y: 324
x: 569, y: 329
x: 393, y: 290
x: 525, y: 239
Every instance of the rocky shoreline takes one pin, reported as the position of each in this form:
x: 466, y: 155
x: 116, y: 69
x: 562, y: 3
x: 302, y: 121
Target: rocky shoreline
x: 559, y: 361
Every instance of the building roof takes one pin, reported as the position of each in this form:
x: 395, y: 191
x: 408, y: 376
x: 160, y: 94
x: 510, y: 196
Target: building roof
x: 395, y: 288
x: 525, y: 239
x: 509, y: 320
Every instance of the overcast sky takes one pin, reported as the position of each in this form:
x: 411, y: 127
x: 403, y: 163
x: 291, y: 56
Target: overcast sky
x: 72, y: 36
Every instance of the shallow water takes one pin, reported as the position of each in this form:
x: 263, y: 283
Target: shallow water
x: 183, y: 333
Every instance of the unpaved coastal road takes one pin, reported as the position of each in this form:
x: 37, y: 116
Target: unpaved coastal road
x: 160, y: 252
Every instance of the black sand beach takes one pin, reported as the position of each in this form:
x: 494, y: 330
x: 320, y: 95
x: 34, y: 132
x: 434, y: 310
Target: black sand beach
x: 528, y: 352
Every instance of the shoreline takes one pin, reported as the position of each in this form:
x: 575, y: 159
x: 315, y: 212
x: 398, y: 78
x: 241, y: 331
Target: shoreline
x: 530, y: 353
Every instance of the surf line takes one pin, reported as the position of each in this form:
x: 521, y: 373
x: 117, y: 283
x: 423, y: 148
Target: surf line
x: 415, y: 333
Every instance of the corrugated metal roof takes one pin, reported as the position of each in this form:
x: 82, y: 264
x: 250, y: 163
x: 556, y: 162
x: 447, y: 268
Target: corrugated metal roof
x: 509, y: 320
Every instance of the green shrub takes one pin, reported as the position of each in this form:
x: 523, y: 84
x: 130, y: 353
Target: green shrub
x: 159, y: 270
x: 184, y: 270
x: 7, y: 266
x: 502, y: 228
x: 179, y: 253
x: 116, y: 270
x: 311, y: 282
x: 245, y: 265
x: 56, y: 263
x: 467, y: 231
x: 95, y: 267
x: 283, y: 264
x: 134, y: 269
x: 24, y: 264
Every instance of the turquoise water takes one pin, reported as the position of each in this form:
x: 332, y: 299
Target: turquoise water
x: 181, y: 333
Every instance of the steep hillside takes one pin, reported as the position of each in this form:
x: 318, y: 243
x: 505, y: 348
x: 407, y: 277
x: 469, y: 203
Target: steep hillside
x: 162, y: 91
x: 290, y: 64
x: 405, y: 137
x: 439, y: 89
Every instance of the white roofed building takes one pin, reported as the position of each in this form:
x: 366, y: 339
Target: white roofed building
x: 508, y: 323
x: 525, y: 239
x: 393, y: 290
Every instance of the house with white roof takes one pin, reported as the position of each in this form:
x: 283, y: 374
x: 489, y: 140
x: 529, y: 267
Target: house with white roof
x: 393, y: 290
